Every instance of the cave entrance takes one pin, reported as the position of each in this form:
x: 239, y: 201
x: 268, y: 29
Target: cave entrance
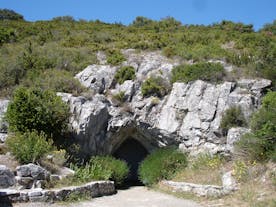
x: 133, y: 152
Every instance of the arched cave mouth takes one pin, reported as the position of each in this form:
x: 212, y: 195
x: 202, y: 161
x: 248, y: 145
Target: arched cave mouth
x: 133, y: 152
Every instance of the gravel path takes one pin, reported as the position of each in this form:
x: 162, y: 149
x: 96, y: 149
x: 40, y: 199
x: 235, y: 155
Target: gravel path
x: 134, y: 197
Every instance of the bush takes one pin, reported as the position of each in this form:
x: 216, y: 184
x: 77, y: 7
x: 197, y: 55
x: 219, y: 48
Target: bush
x: 233, y: 117
x: 29, y: 146
x: 260, y: 144
x: 120, y: 96
x: 103, y: 168
x: 161, y: 164
x: 34, y: 109
x: 115, y: 57
x: 154, y: 86
x: 125, y: 73
x: 212, y: 72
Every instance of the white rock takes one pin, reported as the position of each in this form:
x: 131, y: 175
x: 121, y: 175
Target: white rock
x: 234, y: 135
x: 97, y: 77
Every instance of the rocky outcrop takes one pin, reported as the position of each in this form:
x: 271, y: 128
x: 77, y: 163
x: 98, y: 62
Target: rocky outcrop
x: 189, y: 116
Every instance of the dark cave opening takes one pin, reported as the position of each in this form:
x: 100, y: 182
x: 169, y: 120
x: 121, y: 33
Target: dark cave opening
x: 133, y: 152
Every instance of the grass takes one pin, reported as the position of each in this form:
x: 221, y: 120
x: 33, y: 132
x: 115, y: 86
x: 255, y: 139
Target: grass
x: 199, y: 169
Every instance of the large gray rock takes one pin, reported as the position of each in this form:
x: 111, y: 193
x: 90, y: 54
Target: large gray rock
x: 34, y: 171
x: 7, y: 178
x: 97, y: 77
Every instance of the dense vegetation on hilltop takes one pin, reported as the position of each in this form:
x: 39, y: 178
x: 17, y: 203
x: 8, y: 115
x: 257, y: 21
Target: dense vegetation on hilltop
x: 29, y: 49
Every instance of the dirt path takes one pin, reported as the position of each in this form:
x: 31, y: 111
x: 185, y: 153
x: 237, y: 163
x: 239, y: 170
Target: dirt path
x: 134, y: 197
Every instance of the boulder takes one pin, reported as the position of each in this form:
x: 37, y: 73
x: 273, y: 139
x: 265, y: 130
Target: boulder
x: 7, y: 178
x: 97, y: 77
x: 34, y: 171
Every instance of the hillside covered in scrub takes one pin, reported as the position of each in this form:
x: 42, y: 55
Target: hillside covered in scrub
x: 157, y: 103
x: 48, y: 54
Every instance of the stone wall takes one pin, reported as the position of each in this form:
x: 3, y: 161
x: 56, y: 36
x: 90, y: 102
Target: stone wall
x: 93, y: 189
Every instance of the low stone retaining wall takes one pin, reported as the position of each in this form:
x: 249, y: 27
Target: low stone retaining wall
x: 93, y: 189
x: 200, y: 190
x: 228, y: 185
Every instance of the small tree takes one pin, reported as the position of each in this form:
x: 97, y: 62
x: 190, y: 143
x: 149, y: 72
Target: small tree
x: 29, y: 146
x: 34, y: 109
x: 233, y: 117
x: 155, y: 86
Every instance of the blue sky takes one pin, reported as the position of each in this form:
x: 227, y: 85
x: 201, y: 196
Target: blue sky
x: 256, y: 12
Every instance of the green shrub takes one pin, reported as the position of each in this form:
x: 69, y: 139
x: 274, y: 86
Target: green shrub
x: 233, y: 117
x: 125, y: 73
x: 212, y: 72
x: 154, y: 86
x: 103, y: 168
x: 115, y: 57
x: 260, y: 144
x: 29, y: 146
x: 161, y: 164
x: 34, y: 109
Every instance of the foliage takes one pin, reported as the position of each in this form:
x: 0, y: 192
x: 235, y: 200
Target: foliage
x: 115, y: 57
x: 77, y: 196
x: 206, y: 160
x: 6, y: 35
x: 103, y: 168
x: 120, y: 96
x: 260, y: 144
x: 125, y: 73
x: 240, y: 170
x: 29, y: 146
x: 212, y: 72
x: 161, y: 164
x: 154, y: 86
x: 71, y: 45
x: 54, y: 80
x: 64, y: 19
x: 233, y: 117
x: 7, y: 14
x: 35, y: 109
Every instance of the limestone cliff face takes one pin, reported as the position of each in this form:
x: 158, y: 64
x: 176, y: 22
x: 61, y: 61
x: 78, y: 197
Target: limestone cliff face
x: 189, y: 116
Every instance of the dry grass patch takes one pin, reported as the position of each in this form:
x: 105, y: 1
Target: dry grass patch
x: 204, y: 169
